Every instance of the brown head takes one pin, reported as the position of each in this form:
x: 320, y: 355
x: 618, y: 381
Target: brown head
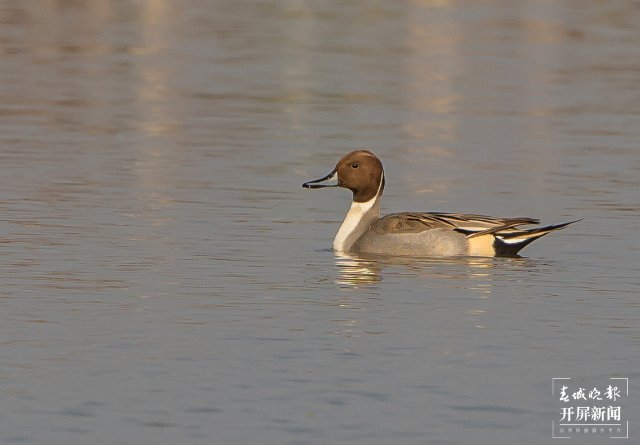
x: 359, y: 171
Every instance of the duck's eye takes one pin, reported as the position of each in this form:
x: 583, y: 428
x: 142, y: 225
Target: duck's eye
x: 354, y: 165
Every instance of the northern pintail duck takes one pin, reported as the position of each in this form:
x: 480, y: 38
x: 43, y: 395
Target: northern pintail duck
x: 417, y: 233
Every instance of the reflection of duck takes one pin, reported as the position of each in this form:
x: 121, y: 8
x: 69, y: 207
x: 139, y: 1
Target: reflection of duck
x: 362, y: 269
x: 473, y: 273
x: 415, y: 233
x: 354, y: 271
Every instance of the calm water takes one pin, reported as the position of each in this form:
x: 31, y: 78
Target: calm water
x: 166, y: 280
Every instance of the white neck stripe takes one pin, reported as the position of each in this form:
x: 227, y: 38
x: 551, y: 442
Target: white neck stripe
x: 357, y: 221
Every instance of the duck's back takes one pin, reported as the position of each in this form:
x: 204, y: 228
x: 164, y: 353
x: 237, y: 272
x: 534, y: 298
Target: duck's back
x: 411, y: 234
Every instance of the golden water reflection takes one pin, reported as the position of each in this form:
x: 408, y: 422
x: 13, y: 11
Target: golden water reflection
x: 471, y: 279
x: 478, y: 272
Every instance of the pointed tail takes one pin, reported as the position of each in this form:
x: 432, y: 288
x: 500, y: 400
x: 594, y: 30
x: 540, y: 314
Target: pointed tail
x: 510, y: 242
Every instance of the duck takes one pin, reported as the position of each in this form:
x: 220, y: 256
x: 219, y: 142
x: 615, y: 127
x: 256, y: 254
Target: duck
x: 418, y: 234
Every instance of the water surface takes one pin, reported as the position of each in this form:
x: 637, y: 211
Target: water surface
x: 165, y: 279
